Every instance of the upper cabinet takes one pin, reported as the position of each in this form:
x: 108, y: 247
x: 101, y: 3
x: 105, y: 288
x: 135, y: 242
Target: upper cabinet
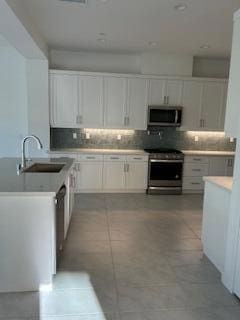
x: 91, y: 100
x: 115, y: 98
x: 64, y: 100
x: 167, y: 92
x: 192, y: 102
x: 137, y: 103
x: 204, y: 105
x: 213, y: 101
x: 233, y: 98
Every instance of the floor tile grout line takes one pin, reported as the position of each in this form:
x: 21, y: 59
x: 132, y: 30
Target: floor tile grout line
x: 113, y: 265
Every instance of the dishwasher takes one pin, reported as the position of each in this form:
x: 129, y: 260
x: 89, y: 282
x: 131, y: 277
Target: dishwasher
x: 60, y: 204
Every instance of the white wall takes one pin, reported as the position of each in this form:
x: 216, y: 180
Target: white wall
x: 13, y: 101
x: 38, y: 104
x: 209, y: 67
x: 122, y: 63
x: 94, y: 61
x: 166, y: 64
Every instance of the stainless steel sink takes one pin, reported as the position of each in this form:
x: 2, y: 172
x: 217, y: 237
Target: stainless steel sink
x: 45, y: 167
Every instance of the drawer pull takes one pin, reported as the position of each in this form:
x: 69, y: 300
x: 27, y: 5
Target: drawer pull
x: 197, y: 170
x: 114, y: 158
x: 91, y: 158
x: 195, y: 183
x: 197, y: 159
x: 137, y: 158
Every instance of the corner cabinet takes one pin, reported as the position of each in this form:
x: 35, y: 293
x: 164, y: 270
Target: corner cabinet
x: 204, y: 104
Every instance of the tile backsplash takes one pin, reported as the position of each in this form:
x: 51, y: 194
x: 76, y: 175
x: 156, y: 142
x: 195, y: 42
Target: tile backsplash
x: 169, y: 138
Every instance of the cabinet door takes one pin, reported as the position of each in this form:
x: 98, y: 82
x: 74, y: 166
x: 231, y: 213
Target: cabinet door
x: 90, y: 175
x: 218, y: 166
x: 223, y: 113
x: 174, y: 92
x: 64, y: 100
x: 137, y: 104
x: 212, y: 105
x: 229, y: 166
x: 192, y: 100
x: 91, y: 101
x: 157, y: 90
x: 115, y: 97
x: 137, y: 175
x: 114, y: 175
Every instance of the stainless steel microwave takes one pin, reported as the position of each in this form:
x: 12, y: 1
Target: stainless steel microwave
x: 164, y: 116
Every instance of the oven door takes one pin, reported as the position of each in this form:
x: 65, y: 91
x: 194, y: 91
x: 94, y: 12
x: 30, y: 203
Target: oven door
x: 165, y: 173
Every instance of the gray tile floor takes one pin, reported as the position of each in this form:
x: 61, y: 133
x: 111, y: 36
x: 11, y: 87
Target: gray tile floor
x: 131, y: 257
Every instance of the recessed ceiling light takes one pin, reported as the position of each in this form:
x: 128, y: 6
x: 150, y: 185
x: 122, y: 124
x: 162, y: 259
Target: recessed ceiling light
x: 180, y: 7
x: 205, y: 46
x: 152, y: 43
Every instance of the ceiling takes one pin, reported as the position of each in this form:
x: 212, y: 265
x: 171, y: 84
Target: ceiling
x: 129, y: 25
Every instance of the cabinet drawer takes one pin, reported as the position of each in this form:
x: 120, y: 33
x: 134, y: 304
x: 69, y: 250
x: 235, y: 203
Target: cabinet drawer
x: 114, y: 158
x: 137, y: 158
x: 195, y: 170
x: 64, y: 155
x: 196, y: 159
x: 91, y: 157
x: 193, y: 183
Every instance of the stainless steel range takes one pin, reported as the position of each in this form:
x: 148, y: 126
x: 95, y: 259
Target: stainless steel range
x: 165, y: 171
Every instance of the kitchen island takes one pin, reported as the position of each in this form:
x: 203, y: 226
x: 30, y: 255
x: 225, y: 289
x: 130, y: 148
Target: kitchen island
x: 217, y: 195
x: 28, y: 221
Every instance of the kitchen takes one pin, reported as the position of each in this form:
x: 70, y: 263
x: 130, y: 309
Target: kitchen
x: 105, y: 219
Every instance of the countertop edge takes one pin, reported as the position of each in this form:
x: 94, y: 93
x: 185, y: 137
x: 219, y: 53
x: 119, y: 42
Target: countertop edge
x: 208, y: 153
x: 220, y: 181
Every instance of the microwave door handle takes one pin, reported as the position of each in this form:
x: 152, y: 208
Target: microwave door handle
x: 176, y: 116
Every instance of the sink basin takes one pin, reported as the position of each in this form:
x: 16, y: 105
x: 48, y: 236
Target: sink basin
x: 45, y: 167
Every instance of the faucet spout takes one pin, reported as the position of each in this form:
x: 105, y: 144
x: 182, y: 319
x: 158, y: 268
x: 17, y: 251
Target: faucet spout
x: 25, y: 139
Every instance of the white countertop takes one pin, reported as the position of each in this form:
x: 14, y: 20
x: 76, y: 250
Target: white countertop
x: 208, y: 153
x: 29, y: 183
x: 223, y: 182
x: 99, y: 151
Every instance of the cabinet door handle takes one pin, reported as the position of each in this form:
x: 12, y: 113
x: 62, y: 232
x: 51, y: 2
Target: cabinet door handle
x: 125, y: 120
x: 91, y: 158
x: 167, y: 99
x: 196, y: 159
x: 79, y: 119
x: 195, y: 183
x: 114, y: 158
x: 137, y: 158
x: 196, y: 170
x: 125, y: 167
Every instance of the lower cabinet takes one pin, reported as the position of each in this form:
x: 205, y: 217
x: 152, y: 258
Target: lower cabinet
x: 137, y: 175
x: 114, y: 175
x: 89, y: 176
x: 196, y: 167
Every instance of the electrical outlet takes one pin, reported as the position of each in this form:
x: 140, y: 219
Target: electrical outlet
x: 231, y: 139
x: 119, y: 137
x: 88, y: 135
x: 196, y: 138
x: 74, y: 135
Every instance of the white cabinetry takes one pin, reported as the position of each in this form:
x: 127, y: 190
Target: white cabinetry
x: 114, y: 175
x: 90, y: 102
x: 192, y: 102
x: 233, y: 99
x: 64, y: 100
x: 89, y: 173
x: 115, y: 97
x: 137, y: 103
x: 137, y: 175
x: 204, y: 104
x: 213, y: 101
x: 165, y: 92
x: 196, y: 167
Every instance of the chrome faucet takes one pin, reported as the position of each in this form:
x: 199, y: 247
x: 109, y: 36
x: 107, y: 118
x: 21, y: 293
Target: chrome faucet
x: 39, y: 144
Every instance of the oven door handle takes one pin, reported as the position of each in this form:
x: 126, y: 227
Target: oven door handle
x: 165, y: 161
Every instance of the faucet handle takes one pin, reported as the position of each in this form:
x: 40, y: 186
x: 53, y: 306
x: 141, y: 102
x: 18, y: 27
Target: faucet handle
x: 19, y: 168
